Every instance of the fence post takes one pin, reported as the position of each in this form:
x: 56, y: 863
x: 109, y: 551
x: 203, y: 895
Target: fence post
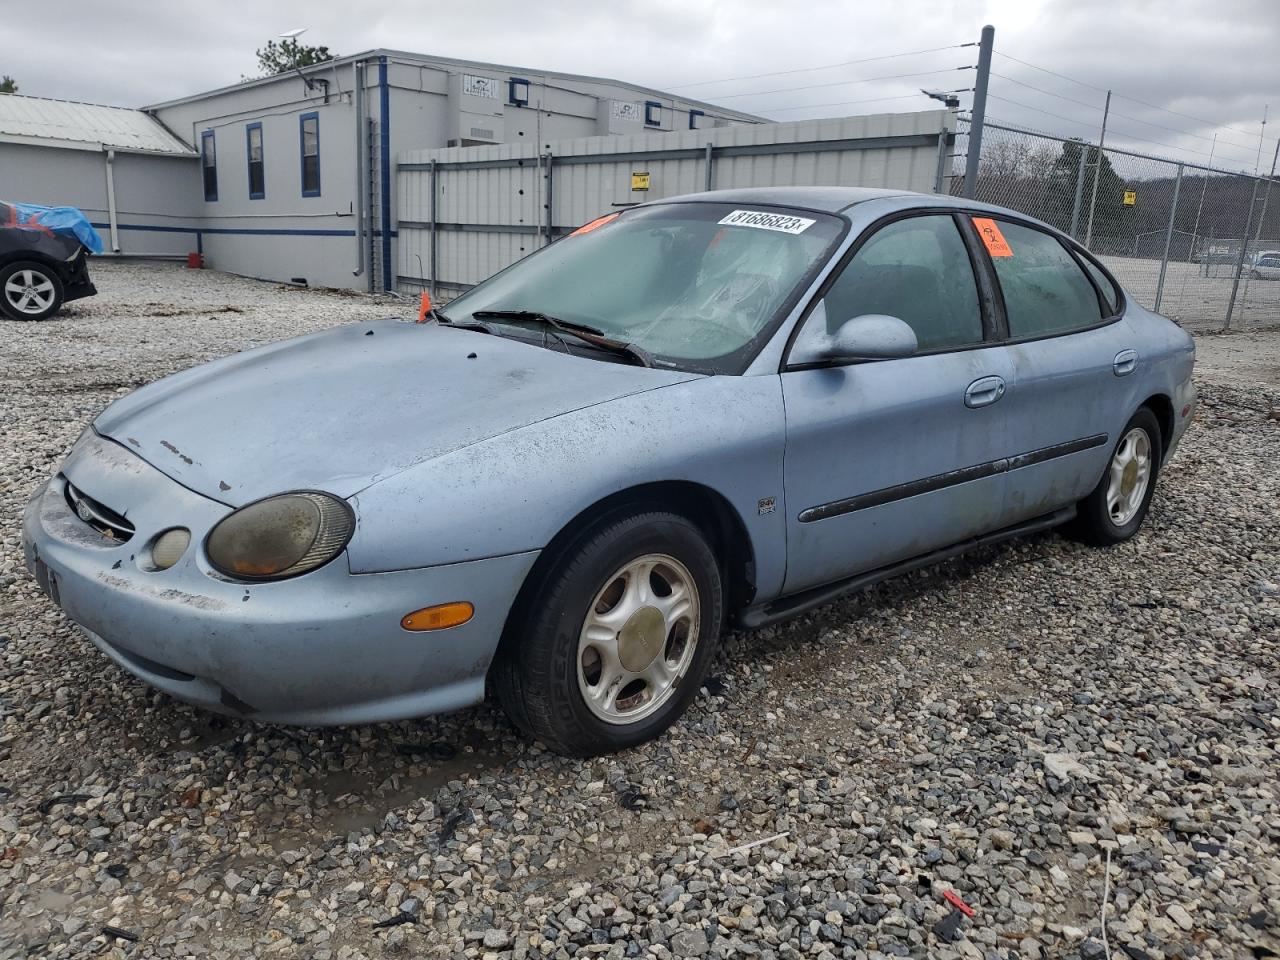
x: 708, y: 165
x: 435, y: 198
x: 550, y: 205
x: 1168, y: 239
x: 979, y: 112
x: 1097, y: 172
x: 1075, y: 203
x: 1244, y: 245
x: 940, y: 173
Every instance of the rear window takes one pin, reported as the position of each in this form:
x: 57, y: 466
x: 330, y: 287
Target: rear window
x: 1045, y: 290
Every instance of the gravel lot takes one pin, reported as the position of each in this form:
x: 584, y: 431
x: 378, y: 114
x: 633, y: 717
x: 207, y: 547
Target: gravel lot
x: 1002, y: 726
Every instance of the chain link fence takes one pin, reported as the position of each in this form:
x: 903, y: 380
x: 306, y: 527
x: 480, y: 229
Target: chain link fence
x: 1197, y: 244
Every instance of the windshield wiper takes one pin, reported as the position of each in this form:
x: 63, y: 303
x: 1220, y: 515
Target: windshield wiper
x: 585, y: 333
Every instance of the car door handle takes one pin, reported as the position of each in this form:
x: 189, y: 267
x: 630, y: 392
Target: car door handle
x: 1125, y: 362
x: 984, y: 392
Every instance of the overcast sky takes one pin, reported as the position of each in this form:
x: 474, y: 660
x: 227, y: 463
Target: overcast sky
x: 1217, y: 61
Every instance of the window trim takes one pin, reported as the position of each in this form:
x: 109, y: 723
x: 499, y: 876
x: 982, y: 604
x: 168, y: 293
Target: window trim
x: 693, y: 117
x: 302, y: 153
x: 990, y: 331
x: 650, y: 120
x: 512, y: 99
x: 207, y: 138
x: 248, y: 157
x: 1070, y: 246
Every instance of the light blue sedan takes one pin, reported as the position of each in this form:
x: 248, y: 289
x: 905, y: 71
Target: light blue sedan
x: 722, y: 408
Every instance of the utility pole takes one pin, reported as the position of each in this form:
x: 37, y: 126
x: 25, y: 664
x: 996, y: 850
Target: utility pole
x: 1097, y: 172
x: 979, y: 112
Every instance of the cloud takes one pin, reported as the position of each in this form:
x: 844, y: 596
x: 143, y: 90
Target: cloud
x: 1213, y: 62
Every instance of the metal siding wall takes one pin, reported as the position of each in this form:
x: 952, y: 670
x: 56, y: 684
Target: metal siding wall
x: 512, y: 197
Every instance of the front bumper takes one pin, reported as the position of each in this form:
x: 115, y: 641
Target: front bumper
x: 324, y: 648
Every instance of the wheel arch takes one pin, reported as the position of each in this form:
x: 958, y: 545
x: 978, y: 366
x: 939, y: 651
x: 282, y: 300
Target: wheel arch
x: 703, y: 506
x: 1162, y: 407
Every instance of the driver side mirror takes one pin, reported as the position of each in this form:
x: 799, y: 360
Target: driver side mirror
x: 872, y: 336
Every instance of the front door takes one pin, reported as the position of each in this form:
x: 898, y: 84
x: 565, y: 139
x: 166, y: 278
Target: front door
x: 890, y: 459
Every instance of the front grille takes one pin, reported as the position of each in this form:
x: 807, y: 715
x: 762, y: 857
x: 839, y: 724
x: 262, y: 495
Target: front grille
x: 106, y: 521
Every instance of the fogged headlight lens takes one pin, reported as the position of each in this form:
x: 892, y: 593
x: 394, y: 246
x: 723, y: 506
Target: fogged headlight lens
x: 280, y: 537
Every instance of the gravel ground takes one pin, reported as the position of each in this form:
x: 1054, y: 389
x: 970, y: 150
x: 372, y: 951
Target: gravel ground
x: 1034, y: 727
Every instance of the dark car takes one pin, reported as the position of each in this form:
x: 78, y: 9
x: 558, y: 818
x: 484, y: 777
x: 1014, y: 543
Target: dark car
x: 41, y: 267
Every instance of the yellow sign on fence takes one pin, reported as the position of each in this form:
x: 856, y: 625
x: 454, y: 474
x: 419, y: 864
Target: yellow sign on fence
x: 640, y: 181
x: 1130, y: 198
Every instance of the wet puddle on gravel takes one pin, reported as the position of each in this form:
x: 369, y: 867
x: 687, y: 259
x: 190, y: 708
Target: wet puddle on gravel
x: 361, y: 797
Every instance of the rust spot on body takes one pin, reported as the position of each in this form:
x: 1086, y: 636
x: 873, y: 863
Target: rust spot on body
x: 176, y: 452
x: 223, y: 485
x: 134, y: 442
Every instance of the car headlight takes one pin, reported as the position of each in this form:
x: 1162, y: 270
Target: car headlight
x: 281, y: 536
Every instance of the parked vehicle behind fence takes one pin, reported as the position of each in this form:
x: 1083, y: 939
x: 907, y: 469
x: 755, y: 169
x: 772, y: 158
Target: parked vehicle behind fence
x: 718, y: 409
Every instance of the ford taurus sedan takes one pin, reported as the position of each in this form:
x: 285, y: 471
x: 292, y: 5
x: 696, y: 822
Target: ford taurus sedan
x: 717, y: 409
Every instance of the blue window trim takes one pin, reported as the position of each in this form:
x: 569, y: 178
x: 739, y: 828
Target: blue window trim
x: 652, y: 113
x: 693, y: 118
x: 248, y: 159
x: 207, y: 139
x: 302, y: 179
x: 511, y: 92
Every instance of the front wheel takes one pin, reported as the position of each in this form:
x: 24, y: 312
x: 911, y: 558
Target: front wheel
x: 616, y: 636
x: 29, y: 291
x: 1115, y: 509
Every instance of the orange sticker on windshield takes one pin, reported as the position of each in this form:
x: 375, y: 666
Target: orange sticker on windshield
x: 595, y: 224
x: 992, y: 238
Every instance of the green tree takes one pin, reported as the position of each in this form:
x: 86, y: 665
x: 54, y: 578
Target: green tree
x: 1111, y: 218
x: 289, y: 54
x: 8, y: 84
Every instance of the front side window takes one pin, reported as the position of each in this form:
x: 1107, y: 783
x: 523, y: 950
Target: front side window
x: 697, y: 285
x: 919, y: 271
x: 209, y: 165
x: 310, y: 134
x: 1045, y: 291
x: 257, y: 170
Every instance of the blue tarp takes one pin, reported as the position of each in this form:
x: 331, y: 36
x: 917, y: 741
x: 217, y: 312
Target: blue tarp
x: 64, y: 221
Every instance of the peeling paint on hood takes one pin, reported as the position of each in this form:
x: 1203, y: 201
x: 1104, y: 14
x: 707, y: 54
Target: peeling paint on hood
x: 344, y: 408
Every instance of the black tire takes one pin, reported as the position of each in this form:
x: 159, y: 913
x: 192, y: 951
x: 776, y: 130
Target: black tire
x: 40, y: 274
x: 1094, y: 524
x: 535, y: 675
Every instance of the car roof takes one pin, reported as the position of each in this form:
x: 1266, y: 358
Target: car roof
x: 840, y: 199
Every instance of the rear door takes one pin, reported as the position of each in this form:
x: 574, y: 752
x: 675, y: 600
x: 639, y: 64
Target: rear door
x: 1073, y: 358
x: 889, y: 459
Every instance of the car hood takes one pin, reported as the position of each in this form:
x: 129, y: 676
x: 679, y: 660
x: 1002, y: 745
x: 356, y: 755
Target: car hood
x: 342, y: 409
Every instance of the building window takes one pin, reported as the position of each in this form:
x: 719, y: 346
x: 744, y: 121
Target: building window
x: 652, y: 113
x: 694, y: 117
x: 209, y: 165
x: 257, y: 170
x: 518, y: 92
x: 310, y: 134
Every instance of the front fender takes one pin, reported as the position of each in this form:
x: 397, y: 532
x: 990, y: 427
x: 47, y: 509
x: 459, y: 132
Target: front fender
x: 514, y: 492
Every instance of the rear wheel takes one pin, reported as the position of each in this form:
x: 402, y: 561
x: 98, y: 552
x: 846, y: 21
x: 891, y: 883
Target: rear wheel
x: 1115, y: 509
x: 616, y: 637
x: 29, y: 291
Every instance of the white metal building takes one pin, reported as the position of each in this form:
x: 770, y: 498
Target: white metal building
x: 291, y: 177
x: 135, y: 180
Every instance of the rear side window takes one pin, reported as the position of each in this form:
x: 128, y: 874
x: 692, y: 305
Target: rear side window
x: 917, y: 270
x: 1045, y: 289
x: 1110, y: 295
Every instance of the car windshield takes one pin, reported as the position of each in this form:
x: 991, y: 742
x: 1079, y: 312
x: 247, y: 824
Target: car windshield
x: 695, y: 285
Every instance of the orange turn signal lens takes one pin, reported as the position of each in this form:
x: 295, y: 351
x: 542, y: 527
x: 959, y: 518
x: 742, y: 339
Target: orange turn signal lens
x: 440, y: 617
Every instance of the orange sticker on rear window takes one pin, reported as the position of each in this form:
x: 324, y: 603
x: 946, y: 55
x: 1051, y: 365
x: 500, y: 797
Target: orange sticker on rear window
x: 992, y: 238
x: 595, y: 224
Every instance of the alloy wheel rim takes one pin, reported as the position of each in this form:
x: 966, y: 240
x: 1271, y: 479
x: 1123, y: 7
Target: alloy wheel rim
x: 638, y: 639
x: 1130, y: 474
x: 29, y: 291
